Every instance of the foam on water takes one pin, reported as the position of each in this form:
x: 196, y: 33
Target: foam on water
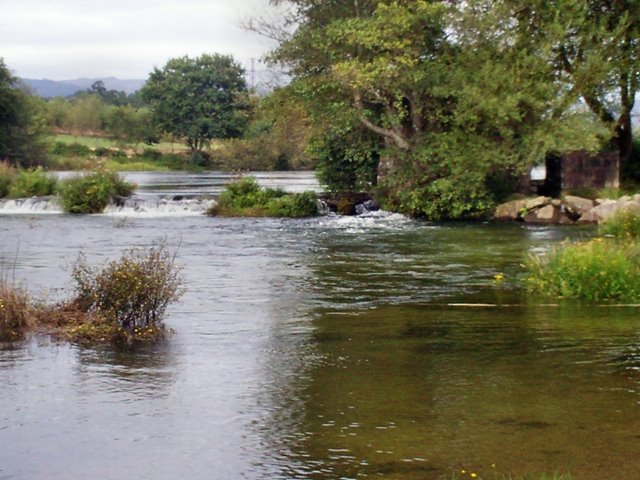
x: 134, y: 207
x: 160, y: 207
x: 370, y: 220
x: 21, y: 206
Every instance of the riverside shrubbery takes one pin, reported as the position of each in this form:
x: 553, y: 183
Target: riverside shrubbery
x: 602, y: 269
x: 246, y: 198
x: 22, y: 183
x: 92, y: 193
x: 124, y: 300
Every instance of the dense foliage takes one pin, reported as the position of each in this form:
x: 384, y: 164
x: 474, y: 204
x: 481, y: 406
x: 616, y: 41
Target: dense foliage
x: 91, y: 193
x: 22, y: 183
x: 247, y: 198
x: 198, y: 99
x: 463, y: 97
x: 21, y: 123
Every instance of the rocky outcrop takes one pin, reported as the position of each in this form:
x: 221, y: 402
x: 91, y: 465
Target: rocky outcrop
x: 566, y: 211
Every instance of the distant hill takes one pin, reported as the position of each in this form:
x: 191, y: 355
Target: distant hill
x: 64, y: 88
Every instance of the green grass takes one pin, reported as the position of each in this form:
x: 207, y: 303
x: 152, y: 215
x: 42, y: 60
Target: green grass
x: 624, y: 223
x: 135, y: 166
x: 104, y: 142
x: 594, y: 271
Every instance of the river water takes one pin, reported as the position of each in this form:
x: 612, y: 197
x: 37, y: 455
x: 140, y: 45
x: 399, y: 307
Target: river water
x: 325, y: 348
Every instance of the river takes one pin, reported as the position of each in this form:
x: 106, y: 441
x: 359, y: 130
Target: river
x: 325, y: 348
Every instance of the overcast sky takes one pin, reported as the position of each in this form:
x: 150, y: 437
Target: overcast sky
x: 65, y: 39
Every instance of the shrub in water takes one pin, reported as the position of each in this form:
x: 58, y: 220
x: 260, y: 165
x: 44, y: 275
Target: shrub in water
x: 245, y: 197
x: 91, y: 193
x: 624, y: 223
x: 16, y: 313
x: 132, y: 292
x: 29, y: 183
x: 597, y: 270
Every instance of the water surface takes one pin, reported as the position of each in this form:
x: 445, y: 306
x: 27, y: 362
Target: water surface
x: 321, y: 349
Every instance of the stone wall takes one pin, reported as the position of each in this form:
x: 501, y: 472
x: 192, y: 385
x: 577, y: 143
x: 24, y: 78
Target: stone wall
x: 581, y: 169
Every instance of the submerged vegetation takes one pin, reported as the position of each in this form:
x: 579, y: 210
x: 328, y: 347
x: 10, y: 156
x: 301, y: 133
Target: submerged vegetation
x: 124, y: 300
x: 246, y: 198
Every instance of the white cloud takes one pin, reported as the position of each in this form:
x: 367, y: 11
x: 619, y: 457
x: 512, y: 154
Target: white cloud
x: 125, y: 38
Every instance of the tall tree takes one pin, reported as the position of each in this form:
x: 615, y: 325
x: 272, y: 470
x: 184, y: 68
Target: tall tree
x: 447, y: 88
x: 595, y: 48
x: 21, y: 123
x: 198, y: 99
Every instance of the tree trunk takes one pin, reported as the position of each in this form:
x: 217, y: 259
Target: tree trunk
x: 623, y: 140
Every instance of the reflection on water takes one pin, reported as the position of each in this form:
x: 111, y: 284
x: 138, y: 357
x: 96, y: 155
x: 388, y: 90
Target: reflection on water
x: 415, y: 392
x: 322, y: 349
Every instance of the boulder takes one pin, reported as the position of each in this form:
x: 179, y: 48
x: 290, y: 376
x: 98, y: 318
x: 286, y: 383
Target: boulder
x: 510, y: 211
x: 577, y: 206
x: 605, y: 210
x: 537, y: 202
x: 548, y: 214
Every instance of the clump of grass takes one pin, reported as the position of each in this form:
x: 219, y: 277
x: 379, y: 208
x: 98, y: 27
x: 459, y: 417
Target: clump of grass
x: 131, y: 293
x: 246, y: 198
x: 598, y: 270
x: 31, y: 182
x: 92, y: 193
x: 625, y: 223
x: 16, y: 313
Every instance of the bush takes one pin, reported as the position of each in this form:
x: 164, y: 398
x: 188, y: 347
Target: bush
x: 16, y: 312
x: 245, y: 197
x: 7, y: 173
x: 92, y: 193
x: 70, y: 149
x: 131, y: 293
x: 597, y: 270
x: 29, y: 183
x: 624, y: 223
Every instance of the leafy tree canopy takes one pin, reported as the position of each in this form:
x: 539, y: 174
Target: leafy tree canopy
x: 198, y: 99
x: 458, y: 95
x: 21, y: 122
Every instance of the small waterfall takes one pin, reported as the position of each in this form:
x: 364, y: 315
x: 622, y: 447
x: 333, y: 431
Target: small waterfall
x: 159, y: 206
x: 131, y: 207
x: 33, y: 205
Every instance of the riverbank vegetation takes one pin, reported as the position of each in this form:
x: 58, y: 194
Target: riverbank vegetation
x: 246, y: 198
x: 439, y: 109
x: 606, y: 268
x: 124, y: 300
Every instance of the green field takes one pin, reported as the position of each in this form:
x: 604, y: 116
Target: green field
x: 104, y: 142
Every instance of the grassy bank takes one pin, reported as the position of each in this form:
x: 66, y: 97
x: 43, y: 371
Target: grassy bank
x: 71, y: 152
x: 604, y: 269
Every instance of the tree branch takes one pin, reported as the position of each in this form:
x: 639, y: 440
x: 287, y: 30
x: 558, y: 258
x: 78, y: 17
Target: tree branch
x: 400, y: 142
